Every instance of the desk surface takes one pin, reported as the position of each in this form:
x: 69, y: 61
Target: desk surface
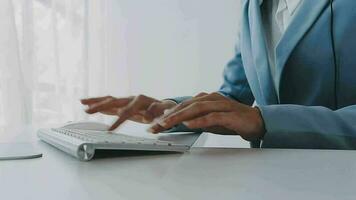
x: 200, y: 174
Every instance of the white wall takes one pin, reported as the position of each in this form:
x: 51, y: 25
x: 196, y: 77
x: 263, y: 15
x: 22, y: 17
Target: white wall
x: 173, y: 47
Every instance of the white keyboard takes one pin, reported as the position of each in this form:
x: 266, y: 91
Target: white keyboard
x: 106, y: 137
x: 82, y: 144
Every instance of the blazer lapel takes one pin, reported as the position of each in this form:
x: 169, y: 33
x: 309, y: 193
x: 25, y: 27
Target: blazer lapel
x: 304, y: 19
x: 257, y: 37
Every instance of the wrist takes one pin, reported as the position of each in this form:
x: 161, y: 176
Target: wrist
x: 257, y: 130
x: 260, y: 129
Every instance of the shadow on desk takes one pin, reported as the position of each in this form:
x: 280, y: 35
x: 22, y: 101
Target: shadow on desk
x: 102, y: 154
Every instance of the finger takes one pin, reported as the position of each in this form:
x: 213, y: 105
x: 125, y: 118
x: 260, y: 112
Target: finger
x: 145, y: 117
x: 195, y: 110
x: 94, y: 100
x: 219, y: 130
x: 156, y: 129
x: 117, y: 123
x: 107, y: 105
x: 112, y: 111
x: 141, y: 117
x: 123, y: 116
x: 91, y: 107
x: 202, y: 94
x: 167, y: 111
x: 157, y: 109
x: 209, y: 97
x: 207, y: 121
x: 139, y: 103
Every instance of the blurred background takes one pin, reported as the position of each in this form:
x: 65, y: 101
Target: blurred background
x: 54, y: 52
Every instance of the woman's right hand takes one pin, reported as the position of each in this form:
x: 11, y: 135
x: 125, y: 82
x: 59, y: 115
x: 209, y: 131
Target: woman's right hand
x: 140, y: 108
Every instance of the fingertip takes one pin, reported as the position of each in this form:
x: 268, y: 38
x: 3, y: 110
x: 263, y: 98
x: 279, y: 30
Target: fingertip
x: 155, y: 129
x: 151, y: 130
x: 155, y: 132
x: 112, y: 128
x: 163, y: 123
x: 188, y: 124
x: 118, y: 122
x: 89, y: 111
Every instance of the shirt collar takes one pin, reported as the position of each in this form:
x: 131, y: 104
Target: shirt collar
x: 292, y: 5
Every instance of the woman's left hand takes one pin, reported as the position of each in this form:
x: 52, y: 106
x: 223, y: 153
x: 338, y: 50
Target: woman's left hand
x: 214, y: 113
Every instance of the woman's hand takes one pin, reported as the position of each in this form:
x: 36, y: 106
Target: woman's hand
x: 215, y: 113
x: 140, y: 108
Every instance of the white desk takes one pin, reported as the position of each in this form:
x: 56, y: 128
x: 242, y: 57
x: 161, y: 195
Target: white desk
x: 201, y: 174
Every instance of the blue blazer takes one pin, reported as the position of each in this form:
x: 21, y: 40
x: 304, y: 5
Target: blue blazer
x: 300, y: 111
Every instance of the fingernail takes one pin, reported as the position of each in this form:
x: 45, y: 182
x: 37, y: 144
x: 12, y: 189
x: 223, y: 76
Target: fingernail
x: 185, y: 123
x: 151, y: 130
x: 167, y: 111
x: 163, y: 123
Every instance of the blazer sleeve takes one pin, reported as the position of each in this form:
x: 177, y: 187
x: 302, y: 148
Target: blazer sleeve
x: 235, y: 84
x: 295, y: 126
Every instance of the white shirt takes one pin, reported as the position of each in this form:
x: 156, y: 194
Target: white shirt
x: 277, y: 15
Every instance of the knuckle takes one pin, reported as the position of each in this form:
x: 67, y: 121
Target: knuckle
x: 131, y: 97
x: 155, y: 104
x: 202, y: 94
x: 108, y: 100
x: 215, y: 94
x: 219, y: 96
x: 141, y: 97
